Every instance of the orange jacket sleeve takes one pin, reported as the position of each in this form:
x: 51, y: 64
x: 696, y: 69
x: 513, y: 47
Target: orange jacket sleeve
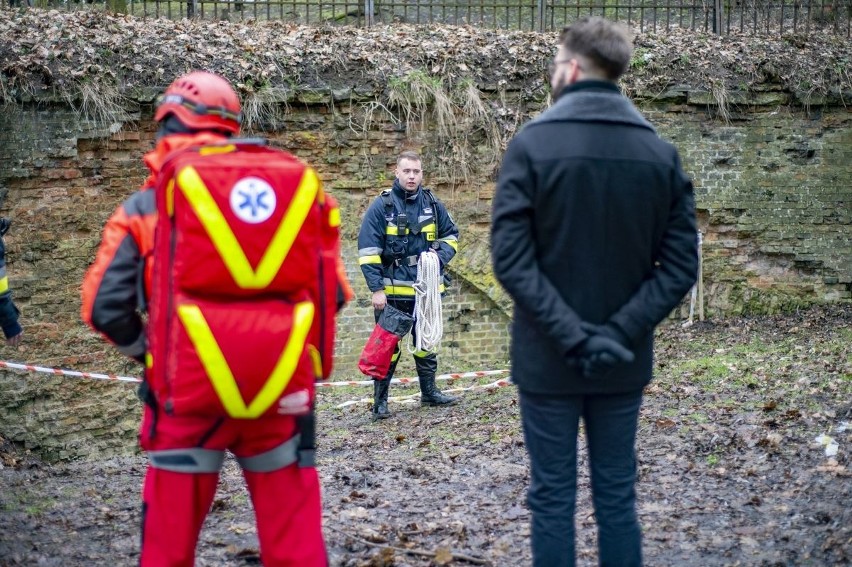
x: 115, y: 286
x: 345, y: 294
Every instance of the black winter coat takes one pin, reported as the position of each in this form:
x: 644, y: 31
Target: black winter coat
x: 593, y: 220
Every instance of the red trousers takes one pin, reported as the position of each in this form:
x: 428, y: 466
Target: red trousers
x: 286, y: 501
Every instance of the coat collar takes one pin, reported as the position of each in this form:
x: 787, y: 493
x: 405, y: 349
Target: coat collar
x: 593, y: 101
x: 400, y: 191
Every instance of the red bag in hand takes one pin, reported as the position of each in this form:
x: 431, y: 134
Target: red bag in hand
x: 376, y: 357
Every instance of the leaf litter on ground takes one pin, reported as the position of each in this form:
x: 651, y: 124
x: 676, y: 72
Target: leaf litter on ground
x: 729, y: 469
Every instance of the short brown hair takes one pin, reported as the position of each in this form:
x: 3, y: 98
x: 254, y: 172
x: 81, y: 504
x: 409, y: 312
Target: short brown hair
x: 409, y: 155
x: 603, y: 44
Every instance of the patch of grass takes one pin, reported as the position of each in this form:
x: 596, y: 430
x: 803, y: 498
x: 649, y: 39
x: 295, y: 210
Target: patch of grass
x: 18, y: 503
x: 641, y: 57
x: 707, y: 368
x: 697, y: 417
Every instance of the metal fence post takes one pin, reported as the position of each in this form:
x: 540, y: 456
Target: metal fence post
x: 368, y: 12
x: 718, y: 16
x: 540, y: 14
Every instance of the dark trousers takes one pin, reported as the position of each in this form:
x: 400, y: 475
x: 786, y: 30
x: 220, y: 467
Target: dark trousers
x: 551, y: 426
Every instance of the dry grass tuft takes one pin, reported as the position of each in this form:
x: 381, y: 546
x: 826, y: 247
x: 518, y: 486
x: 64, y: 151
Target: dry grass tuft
x: 464, y: 124
x: 720, y: 93
x: 265, y: 106
x: 99, y: 102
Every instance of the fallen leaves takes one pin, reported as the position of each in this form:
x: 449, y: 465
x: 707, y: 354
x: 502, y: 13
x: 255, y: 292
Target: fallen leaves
x: 67, y: 43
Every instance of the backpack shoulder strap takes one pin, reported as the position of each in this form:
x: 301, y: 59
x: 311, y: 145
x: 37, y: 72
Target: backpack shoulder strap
x: 431, y: 196
x: 434, y: 202
x: 387, y: 199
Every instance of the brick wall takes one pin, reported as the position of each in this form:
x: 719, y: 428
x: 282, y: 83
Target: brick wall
x: 773, y: 190
x: 774, y: 197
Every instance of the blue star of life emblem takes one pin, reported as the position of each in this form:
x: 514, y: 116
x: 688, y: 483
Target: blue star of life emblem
x: 252, y: 200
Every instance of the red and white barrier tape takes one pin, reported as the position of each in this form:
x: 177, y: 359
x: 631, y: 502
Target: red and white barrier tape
x: 477, y: 374
x: 415, y: 397
x: 61, y: 372
x: 97, y: 376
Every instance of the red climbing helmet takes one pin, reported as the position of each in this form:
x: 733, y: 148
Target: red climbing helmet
x: 203, y: 101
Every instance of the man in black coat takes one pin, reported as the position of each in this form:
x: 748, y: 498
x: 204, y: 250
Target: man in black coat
x: 594, y: 237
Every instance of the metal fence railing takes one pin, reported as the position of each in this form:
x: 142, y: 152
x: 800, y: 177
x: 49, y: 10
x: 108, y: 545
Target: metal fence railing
x: 774, y: 17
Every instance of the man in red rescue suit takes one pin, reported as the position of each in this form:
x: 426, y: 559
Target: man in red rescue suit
x: 399, y: 225
x: 199, y: 113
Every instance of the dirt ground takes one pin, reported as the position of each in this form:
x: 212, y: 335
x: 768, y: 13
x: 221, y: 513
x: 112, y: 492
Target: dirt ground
x: 730, y: 469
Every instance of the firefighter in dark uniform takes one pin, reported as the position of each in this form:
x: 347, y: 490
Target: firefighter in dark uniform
x: 400, y: 224
x: 12, y: 329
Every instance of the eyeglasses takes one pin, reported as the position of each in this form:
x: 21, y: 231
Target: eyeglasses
x: 551, y: 67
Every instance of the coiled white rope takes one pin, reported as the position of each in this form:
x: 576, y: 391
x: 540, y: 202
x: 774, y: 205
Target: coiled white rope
x: 429, y: 318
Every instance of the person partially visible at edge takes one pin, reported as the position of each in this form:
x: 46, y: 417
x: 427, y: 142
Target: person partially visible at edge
x: 400, y: 224
x: 198, y: 109
x: 9, y: 312
x: 594, y: 237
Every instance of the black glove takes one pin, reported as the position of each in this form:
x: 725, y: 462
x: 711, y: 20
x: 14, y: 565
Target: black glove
x: 609, y: 331
x: 605, y: 349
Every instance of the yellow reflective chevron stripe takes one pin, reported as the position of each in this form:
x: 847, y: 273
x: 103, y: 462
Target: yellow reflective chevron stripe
x: 170, y: 198
x: 369, y: 260
x: 226, y: 243
x: 316, y: 360
x: 396, y: 231
x: 220, y: 374
x: 406, y: 290
x: 4, y: 284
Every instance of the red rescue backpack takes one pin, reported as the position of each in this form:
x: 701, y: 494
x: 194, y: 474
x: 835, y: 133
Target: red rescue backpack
x: 244, y: 285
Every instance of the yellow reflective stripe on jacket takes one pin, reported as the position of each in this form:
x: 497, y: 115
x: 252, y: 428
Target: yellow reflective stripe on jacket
x: 4, y: 284
x: 220, y: 374
x: 212, y: 150
x: 406, y: 289
x: 334, y: 217
x: 226, y: 243
x: 375, y: 259
x: 396, y: 231
x: 454, y: 244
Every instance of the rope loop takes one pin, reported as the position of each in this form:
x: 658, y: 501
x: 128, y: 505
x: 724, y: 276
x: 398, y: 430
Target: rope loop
x: 428, y: 314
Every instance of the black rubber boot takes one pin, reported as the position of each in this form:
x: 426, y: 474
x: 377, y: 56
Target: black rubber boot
x: 430, y: 395
x: 380, y: 399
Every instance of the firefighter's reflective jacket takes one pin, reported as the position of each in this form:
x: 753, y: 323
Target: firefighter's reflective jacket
x: 396, y: 228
